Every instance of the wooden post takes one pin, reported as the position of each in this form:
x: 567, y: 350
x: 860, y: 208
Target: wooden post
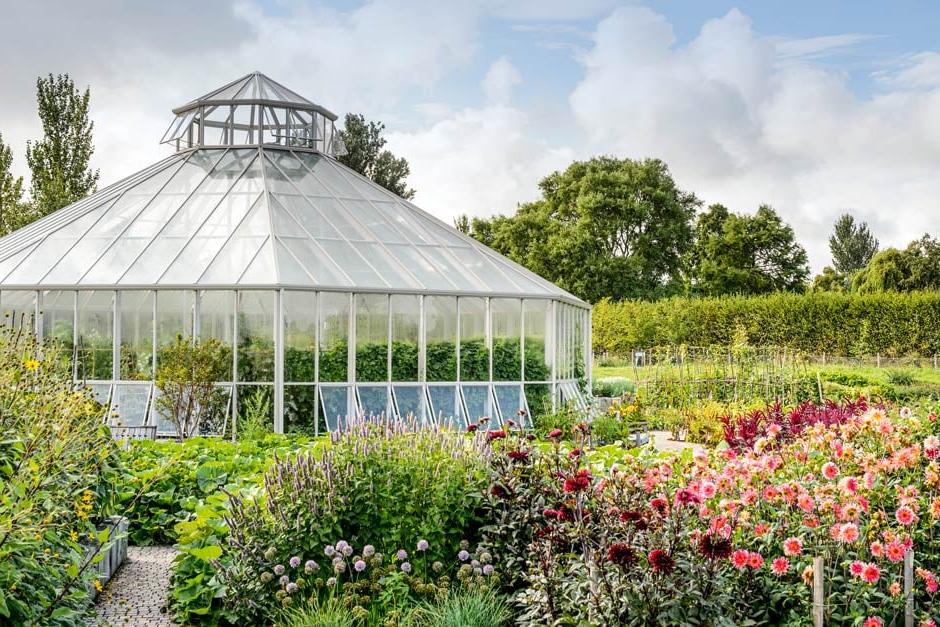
x: 819, y: 598
x: 909, y: 588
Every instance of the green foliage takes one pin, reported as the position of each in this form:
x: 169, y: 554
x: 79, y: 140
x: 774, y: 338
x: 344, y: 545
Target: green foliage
x: 606, y: 227
x: 900, y: 377
x: 565, y: 419
x: 819, y: 322
x: 428, y: 485
x: 917, y: 267
x: 59, y: 162
x: 366, y: 155
x: 167, y: 481
x: 58, y: 474
x: 477, y: 608
x: 613, y: 386
x: 745, y: 254
x: 254, y: 417
x: 852, y: 245
x: 14, y: 213
x: 186, y: 377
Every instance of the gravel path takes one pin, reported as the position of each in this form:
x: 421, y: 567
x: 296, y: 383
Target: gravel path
x: 663, y: 441
x: 136, y: 596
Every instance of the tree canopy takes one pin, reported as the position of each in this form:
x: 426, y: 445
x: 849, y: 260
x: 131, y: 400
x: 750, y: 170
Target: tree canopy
x: 13, y: 211
x: 745, y: 254
x: 605, y: 227
x: 852, y: 245
x: 366, y: 154
x: 59, y: 162
x: 917, y: 267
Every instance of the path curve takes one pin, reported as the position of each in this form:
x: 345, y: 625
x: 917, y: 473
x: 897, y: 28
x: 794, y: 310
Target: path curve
x: 136, y: 596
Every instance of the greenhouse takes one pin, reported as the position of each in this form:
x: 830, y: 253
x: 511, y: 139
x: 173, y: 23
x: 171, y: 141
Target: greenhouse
x: 332, y: 295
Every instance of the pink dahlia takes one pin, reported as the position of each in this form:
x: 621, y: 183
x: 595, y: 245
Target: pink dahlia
x: 780, y: 566
x: 792, y: 546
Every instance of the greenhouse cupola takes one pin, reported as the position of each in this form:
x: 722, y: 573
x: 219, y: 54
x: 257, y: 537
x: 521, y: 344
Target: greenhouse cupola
x: 331, y: 295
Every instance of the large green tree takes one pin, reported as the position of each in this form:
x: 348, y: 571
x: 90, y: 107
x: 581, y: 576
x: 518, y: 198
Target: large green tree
x: 745, y: 254
x: 852, y: 245
x: 14, y: 213
x: 605, y: 227
x: 59, y: 162
x: 366, y: 154
x: 917, y: 267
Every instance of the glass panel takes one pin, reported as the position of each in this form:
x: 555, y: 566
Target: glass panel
x: 300, y: 409
x: 371, y: 337
x: 538, y: 333
x: 441, y: 328
x: 58, y: 317
x: 255, y: 406
x: 428, y: 273
x: 506, y: 321
x: 174, y: 317
x: 300, y: 335
x: 95, y: 334
x: 130, y: 405
x: 101, y: 392
x: 509, y: 399
x: 334, y: 337
x: 390, y: 270
x: 19, y: 308
x: 287, y: 210
x: 445, y: 408
x: 289, y: 168
x: 479, y: 402
x: 474, y: 262
x: 406, y: 317
x: 410, y: 403
x: 539, y: 399
x: 352, y: 263
x: 240, y: 250
x: 329, y: 175
x: 450, y: 268
x: 373, y: 400
x: 12, y: 261
x: 334, y: 401
x: 377, y: 224
x: 217, y: 320
x: 261, y: 270
x: 474, y: 354
x: 256, y: 336
x: 136, y: 335
x: 316, y: 264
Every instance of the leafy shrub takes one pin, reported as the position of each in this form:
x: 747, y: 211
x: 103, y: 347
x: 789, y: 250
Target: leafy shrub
x: 428, y: 485
x: 613, y: 386
x: 742, y: 431
x: 58, y: 474
x: 607, y: 429
x: 564, y: 419
x: 255, y: 418
x: 900, y: 377
x: 166, y: 481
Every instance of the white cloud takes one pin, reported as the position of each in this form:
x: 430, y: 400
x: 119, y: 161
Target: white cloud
x: 744, y: 119
x: 499, y: 81
x: 479, y: 161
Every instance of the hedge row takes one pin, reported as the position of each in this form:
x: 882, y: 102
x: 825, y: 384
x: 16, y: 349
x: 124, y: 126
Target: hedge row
x: 891, y: 324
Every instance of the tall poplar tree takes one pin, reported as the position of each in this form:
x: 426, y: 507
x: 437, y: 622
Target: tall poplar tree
x: 59, y: 162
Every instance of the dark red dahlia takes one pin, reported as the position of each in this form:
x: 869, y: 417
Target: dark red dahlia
x: 687, y: 497
x: 715, y: 548
x: 661, y: 562
x: 554, y: 434
x: 621, y: 554
x: 575, y: 453
x: 579, y: 481
x: 660, y: 505
x: 518, y: 456
x: 634, y: 518
x: 472, y: 428
x: 498, y: 491
x: 495, y: 435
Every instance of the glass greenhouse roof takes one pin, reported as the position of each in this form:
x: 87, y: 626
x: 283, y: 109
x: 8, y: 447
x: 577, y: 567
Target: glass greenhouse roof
x: 253, y: 214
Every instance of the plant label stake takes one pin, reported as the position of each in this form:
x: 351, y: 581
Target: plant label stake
x: 819, y: 604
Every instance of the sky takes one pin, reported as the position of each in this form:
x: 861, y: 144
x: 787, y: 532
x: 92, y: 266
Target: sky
x: 814, y: 108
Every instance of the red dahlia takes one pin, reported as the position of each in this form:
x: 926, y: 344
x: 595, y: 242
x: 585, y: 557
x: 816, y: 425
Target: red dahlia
x: 621, y: 554
x: 661, y: 562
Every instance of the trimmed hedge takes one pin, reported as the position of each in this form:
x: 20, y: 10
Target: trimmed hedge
x: 889, y: 323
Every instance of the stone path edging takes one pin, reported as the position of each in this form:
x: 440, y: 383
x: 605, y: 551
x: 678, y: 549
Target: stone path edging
x: 137, y: 595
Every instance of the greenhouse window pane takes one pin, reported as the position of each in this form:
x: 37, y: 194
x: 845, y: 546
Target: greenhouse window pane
x: 300, y: 335
x: 334, y: 401
x: 371, y: 337
x: 391, y: 272
x: 509, y: 399
x: 381, y: 228
x: 410, y: 403
x: 255, y: 406
x: 329, y: 175
x: 240, y: 250
x: 334, y: 336
x: 441, y: 331
x: 136, y: 308
x: 217, y: 320
x: 538, y: 397
x: 445, y: 406
x: 261, y: 270
x: 406, y: 318
x: 300, y: 409
x: 58, y: 317
x: 478, y: 400
x: 95, y: 334
x: 538, y: 335
x: 101, y: 392
x: 474, y: 353
x: 175, y: 309
x: 130, y: 404
x: 288, y: 170
x: 373, y: 400
x: 324, y: 272
x: 506, y: 325
x: 352, y: 263
x: 256, y: 311
x: 19, y: 308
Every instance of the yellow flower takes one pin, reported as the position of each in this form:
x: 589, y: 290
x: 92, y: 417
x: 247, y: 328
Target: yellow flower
x: 31, y: 364
x: 73, y: 536
x: 98, y: 585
